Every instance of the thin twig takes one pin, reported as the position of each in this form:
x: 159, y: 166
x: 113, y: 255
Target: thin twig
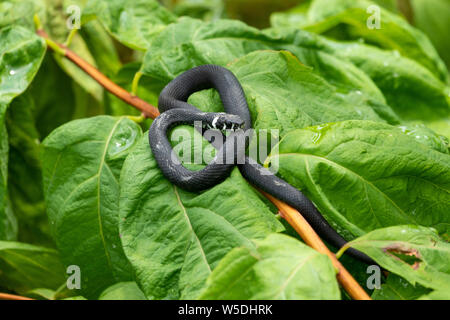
x: 292, y: 216
x: 7, y: 296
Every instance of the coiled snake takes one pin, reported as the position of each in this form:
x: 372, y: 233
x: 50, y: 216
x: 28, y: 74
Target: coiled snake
x: 175, y: 110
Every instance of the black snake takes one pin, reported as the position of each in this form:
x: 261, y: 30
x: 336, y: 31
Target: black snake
x: 175, y: 110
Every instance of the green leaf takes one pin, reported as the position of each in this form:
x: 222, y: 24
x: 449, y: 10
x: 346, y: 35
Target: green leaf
x: 21, y: 54
x: 279, y: 267
x: 132, y: 23
x: 395, y: 32
x: 24, y: 267
x: 123, y: 291
x: 81, y: 166
x: 174, y: 239
x: 397, y: 288
x: 415, y: 253
x: 364, y: 175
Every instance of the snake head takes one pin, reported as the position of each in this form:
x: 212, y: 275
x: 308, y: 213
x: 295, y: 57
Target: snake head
x: 225, y: 121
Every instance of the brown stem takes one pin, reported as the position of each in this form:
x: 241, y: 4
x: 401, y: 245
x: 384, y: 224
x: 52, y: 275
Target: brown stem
x: 7, y: 296
x: 292, y: 216
x: 147, y: 109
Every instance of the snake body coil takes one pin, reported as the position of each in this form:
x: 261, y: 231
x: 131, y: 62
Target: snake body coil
x: 175, y: 110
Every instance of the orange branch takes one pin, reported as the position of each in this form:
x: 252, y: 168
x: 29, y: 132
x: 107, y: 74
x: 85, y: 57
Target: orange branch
x: 7, y: 296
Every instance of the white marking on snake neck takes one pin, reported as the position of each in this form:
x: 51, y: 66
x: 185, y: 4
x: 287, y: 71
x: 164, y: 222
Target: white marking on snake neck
x: 214, y: 122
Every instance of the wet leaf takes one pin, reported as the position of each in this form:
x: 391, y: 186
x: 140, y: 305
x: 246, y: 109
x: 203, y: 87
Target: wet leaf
x: 81, y: 166
x: 277, y: 268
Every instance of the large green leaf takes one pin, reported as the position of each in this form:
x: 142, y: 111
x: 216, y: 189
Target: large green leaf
x: 395, y: 32
x: 415, y: 253
x: 174, y: 239
x: 278, y: 267
x: 81, y: 165
x: 24, y: 267
x: 21, y: 54
x: 132, y: 23
x: 123, y: 291
x: 364, y: 175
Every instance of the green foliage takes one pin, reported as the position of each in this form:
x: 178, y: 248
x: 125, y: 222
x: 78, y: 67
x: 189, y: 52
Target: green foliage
x: 364, y: 117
